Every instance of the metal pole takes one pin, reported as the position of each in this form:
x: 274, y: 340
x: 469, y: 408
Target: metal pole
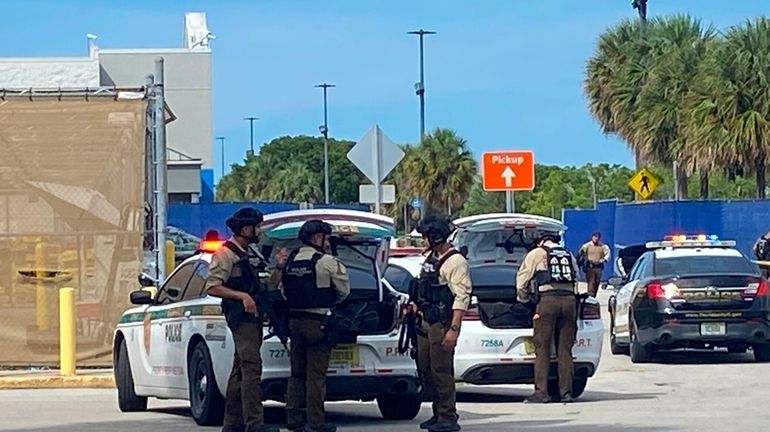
x: 251, y: 129
x: 161, y: 167
x: 222, y: 143
x: 508, y: 202
x: 377, y: 167
x: 325, y: 131
x: 420, y: 87
x: 675, y: 168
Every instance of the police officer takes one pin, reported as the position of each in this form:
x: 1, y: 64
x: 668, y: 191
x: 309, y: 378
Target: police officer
x: 313, y: 283
x: 442, y: 296
x: 233, y: 276
x: 549, y: 272
x: 761, y: 250
x: 592, y: 257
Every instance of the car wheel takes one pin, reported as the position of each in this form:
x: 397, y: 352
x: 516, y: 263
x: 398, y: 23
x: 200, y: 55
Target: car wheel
x: 399, y: 406
x: 639, y: 353
x: 615, y: 348
x: 128, y: 401
x: 578, y: 387
x: 761, y: 353
x: 206, y: 401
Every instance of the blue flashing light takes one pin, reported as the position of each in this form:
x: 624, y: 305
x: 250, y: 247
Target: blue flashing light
x: 713, y: 237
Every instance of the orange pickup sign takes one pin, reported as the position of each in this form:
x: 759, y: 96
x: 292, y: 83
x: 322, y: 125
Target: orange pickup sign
x: 508, y: 171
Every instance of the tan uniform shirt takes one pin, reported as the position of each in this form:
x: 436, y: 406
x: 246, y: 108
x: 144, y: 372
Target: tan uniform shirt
x: 454, y: 272
x: 329, y: 270
x: 222, y: 265
x: 534, y: 261
x: 596, y: 254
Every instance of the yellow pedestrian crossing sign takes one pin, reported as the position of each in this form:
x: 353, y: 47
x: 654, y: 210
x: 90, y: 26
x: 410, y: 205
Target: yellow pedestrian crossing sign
x: 644, y: 183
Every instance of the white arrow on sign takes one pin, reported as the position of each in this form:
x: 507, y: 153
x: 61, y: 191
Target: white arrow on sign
x: 508, y: 175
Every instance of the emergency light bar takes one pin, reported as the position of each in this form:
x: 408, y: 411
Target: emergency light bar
x: 685, y: 241
x: 210, y: 246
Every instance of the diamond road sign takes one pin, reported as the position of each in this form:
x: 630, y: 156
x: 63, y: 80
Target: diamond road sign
x: 375, y: 155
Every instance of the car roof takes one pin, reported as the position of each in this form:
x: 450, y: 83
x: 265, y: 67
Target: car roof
x: 412, y: 264
x: 695, y: 251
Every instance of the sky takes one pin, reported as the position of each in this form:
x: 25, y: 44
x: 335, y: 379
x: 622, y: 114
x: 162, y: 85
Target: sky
x: 504, y: 74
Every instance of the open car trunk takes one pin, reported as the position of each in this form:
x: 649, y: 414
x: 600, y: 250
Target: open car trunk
x: 495, y: 246
x: 363, y: 247
x: 627, y: 257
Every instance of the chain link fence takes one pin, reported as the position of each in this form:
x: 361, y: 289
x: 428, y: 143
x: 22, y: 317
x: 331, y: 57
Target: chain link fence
x: 71, y: 215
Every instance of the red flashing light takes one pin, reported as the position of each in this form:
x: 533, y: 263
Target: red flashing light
x: 210, y: 246
x: 655, y: 291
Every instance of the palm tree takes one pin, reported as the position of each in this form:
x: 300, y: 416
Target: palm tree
x: 295, y: 182
x: 732, y: 102
x: 440, y: 171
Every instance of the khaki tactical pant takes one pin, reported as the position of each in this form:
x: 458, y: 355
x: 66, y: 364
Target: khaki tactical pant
x: 558, y: 320
x: 309, y: 363
x: 436, y: 369
x: 593, y: 279
x: 244, y: 394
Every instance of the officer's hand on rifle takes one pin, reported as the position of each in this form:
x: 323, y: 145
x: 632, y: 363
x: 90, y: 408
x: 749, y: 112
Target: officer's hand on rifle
x: 281, y: 257
x: 249, y: 304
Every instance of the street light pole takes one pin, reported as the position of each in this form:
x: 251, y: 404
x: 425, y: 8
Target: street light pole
x: 251, y: 125
x: 420, y: 86
x: 222, y: 143
x: 324, y: 129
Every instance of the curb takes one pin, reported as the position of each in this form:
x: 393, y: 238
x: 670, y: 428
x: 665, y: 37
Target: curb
x: 54, y: 382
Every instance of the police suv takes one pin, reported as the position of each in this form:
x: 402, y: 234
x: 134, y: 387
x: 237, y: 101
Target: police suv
x: 495, y: 344
x: 176, y: 344
x: 689, y: 292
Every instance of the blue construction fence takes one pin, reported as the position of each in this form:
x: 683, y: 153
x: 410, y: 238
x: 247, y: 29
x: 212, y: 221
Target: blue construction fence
x: 623, y: 224
x: 197, y: 219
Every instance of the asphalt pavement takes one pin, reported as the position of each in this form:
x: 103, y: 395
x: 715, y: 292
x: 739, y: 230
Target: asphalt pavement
x: 683, y: 391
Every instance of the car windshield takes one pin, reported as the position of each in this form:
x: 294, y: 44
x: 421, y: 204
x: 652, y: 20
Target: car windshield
x: 493, y: 275
x: 687, y: 265
x: 361, y: 279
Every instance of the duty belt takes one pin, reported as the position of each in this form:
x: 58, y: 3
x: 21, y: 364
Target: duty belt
x: 306, y: 315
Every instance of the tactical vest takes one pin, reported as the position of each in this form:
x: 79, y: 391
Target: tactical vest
x: 559, y: 268
x: 434, y: 299
x: 300, y: 284
x: 242, y: 278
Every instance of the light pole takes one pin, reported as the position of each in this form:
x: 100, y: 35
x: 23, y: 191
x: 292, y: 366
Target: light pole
x: 420, y: 86
x: 641, y: 5
x: 222, y: 143
x: 251, y: 125
x: 324, y: 129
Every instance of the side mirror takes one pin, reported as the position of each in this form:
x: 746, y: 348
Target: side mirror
x: 141, y: 297
x: 616, y: 281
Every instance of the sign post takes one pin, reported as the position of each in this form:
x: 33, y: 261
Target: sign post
x: 508, y: 171
x: 375, y: 155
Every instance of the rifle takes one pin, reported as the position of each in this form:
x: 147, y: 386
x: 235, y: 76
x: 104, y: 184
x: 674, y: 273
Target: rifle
x: 407, y: 339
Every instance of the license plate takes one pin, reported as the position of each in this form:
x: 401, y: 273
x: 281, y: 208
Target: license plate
x: 529, y: 346
x: 712, y: 329
x: 345, y: 356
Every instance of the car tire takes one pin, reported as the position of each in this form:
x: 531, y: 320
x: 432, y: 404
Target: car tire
x: 761, y: 353
x: 615, y: 348
x: 639, y: 353
x: 578, y: 387
x: 206, y: 401
x: 128, y: 401
x: 399, y: 406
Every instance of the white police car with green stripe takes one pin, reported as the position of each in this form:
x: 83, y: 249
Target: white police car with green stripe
x: 495, y: 344
x: 176, y: 344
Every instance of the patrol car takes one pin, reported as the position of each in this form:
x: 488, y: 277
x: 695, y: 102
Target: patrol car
x: 689, y: 292
x: 495, y: 344
x: 176, y: 345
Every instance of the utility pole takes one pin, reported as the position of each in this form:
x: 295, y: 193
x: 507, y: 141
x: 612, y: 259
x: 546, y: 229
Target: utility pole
x: 222, y: 143
x: 420, y: 86
x: 324, y: 129
x: 251, y: 124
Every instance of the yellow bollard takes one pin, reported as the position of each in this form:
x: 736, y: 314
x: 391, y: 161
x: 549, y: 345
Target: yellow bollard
x: 41, y: 296
x: 67, y: 333
x: 170, y: 257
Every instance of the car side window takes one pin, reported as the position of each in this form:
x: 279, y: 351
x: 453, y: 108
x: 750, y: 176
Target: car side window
x: 174, y: 287
x: 398, y: 278
x: 197, y: 284
x: 636, y: 271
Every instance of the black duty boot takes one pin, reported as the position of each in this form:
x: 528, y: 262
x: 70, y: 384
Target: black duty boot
x: 428, y: 423
x: 445, y: 426
x: 262, y: 428
x: 538, y: 398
